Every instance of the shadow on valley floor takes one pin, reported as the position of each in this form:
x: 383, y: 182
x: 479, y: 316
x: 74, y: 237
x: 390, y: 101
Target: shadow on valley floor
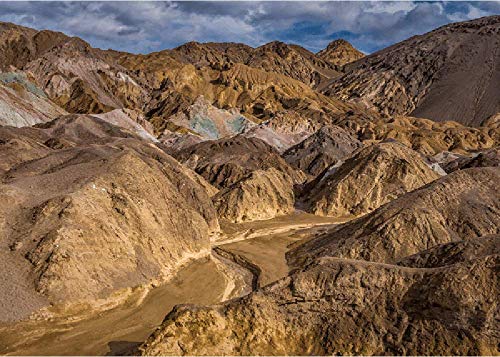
x: 123, y: 348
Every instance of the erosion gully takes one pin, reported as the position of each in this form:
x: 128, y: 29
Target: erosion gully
x: 251, y: 255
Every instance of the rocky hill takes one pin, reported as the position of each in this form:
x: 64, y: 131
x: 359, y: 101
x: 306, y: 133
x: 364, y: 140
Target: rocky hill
x: 371, y: 177
x: 431, y: 76
x: 226, y: 161
x: 459, y: 206
x: 327, y: 146
x: 98, y: 213
x: 263, y: 194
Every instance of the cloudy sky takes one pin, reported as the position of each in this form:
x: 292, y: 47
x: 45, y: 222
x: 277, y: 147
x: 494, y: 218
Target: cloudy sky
x: 143, y: 27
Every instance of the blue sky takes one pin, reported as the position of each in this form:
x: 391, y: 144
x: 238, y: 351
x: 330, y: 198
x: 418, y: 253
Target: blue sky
x: 144, y: 27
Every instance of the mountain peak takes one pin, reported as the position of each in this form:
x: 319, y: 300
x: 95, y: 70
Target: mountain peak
x: 340, y: 52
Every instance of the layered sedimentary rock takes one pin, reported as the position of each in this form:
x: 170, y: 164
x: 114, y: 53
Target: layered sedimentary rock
x: 325, y: 147
x: 459, y: 206
x: 432, y: 75
x: 104, y: 212
x: 208, y: 122
x: 371, y: 177
x: 226, y: 161
x: 335, y: 306
x: 263, y: 194
x: 22, y: 103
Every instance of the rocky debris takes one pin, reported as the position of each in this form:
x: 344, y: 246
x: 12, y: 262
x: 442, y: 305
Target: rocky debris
x: 371, y: 177
x: 325, y: 147
x: 431, y: 76
x: 488, y: 158
x: 460, y: 206
x: 347, y: 307
x: 105, y: 214
x: 226, y: 161
x: 263, y: 194
x: 340, y: 52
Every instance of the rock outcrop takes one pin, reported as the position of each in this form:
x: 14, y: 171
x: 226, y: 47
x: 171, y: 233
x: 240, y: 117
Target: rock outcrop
x: 371, y: 177
x: 327, y: 146
x: 431, y: 76
x: 108, y: 211
x: 22, y: 103
x: 263, y: 194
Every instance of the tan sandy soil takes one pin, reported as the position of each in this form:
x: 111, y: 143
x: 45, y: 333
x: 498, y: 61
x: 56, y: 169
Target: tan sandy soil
x: 115, y: 331
x: 265, y: 243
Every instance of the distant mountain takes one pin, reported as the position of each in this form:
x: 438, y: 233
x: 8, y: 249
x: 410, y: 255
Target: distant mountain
x: 451, y: 73
x: 340, y: 52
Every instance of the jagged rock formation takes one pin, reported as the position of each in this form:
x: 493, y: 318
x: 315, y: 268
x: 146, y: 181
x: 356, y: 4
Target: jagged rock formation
x: 347, y: 307
x: 226, y: 161
x: 327, y: 146
x: 488, y: 158
x: 431, y: 76
x: 459, y: 206
x: 340, y: 52
x: 263, y: 194
x: 105, y: 212
x: 371, y: 177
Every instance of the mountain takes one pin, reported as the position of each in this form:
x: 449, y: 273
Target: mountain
x: 371, y: 177
x: 451, y: 73
x: 340, y: 52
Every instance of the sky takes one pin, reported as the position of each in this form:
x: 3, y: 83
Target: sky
x: 143, y: 27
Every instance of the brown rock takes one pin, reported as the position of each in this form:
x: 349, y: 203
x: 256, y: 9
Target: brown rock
x: 226, y: 161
